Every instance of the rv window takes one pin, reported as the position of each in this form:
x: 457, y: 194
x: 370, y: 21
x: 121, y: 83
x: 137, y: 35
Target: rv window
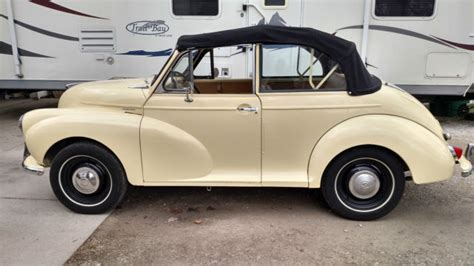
x: 404, y: 8
x: 275, y: 2
x: 195, y: 7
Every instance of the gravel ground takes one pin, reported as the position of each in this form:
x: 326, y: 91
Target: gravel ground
x: 433, y: 224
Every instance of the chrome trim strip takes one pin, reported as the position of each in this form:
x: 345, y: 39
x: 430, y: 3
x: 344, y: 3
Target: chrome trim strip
x: 307, y: 107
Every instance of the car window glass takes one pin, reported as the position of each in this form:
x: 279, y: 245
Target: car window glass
x: 291, y: 68
x: 287, y: 61
x: 223, y: 70
x: 203, y: 69
x: 178, y: 77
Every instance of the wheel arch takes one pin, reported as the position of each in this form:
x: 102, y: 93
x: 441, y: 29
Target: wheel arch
x: 424, y: 154
x: 63, y: 143
x: 393, y: 153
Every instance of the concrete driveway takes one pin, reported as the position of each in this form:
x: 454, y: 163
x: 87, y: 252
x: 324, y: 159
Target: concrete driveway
x: 35, y: 228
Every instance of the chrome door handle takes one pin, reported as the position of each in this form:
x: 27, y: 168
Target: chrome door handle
x: 247, y: 109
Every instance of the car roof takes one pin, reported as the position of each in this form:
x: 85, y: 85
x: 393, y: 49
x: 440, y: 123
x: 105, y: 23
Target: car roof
x: 359, y: 80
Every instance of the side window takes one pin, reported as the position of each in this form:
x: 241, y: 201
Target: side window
x: 287, y: 61
x: 178, y: 77
x: 215, y: 71
x: 205, y: 69
x: 291, y: 68
x: 404, y: 8
x: 195, y: 7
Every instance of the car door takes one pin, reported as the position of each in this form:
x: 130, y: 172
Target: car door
x: 215, y: 139
x: 294, y: 115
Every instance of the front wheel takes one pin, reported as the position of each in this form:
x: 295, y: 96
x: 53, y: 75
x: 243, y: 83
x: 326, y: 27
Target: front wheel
x: 88, y: 178
x: 363, y: 183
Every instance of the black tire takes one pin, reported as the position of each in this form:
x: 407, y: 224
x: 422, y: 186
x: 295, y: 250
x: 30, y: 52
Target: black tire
x: 463, y: 111
x: 75, y: 167
x: 350, y: 185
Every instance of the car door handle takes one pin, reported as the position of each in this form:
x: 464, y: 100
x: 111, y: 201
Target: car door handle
x: 247, y: 109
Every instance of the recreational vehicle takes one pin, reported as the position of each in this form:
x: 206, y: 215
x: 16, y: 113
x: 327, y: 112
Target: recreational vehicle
x: 424, y: 46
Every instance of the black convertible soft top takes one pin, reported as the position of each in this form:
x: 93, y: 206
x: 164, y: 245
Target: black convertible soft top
x: 359, y: 80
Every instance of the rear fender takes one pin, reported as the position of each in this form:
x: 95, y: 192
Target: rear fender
x: 426, y: 155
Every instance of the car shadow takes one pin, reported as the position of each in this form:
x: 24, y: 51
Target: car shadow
x: 419, y: 202
x: 187, y: 202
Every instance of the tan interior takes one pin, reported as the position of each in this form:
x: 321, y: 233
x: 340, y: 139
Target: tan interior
x: 335, y: 82
x: 244, y: 86
x: 228, y: 86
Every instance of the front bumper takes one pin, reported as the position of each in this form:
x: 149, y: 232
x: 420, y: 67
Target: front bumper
x: 32, y: 166
x: 466, y: 161
x: 469, y: 152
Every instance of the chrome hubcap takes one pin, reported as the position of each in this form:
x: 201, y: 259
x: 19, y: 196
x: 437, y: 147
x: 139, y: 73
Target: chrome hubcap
x: 86, y: 180
x: 364, y: 184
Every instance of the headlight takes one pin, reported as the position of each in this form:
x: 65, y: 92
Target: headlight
x: 20, y: 121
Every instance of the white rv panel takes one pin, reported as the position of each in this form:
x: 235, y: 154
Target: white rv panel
x: 448, y: 65
x: 55, y: 48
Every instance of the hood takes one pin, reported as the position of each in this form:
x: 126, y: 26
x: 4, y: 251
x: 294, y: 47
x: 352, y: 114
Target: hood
x: 112, y: 94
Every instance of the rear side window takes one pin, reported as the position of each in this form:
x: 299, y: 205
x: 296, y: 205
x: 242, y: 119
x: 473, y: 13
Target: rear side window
x: 291, y: 68
x: 195, y: 7
x: 404, y: 8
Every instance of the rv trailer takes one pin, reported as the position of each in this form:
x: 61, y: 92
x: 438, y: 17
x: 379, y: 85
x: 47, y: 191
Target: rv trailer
x: 424, y: 46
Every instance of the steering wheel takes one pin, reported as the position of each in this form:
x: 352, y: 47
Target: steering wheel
x: 175, y: 74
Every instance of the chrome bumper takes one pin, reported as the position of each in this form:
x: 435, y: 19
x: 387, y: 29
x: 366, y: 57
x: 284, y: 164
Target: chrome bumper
x: 32, y: 169
x: 30, y: 165
x: 466, y: 164
x: 469, y: 152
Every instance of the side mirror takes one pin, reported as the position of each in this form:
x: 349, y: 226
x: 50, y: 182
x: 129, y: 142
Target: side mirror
x: 189, y: 93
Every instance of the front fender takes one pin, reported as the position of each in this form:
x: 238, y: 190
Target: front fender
x: 117, y: 131
x: 427, y: 156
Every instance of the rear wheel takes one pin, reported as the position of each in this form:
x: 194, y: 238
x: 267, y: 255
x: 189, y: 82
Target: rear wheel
x: 364, y: 183
x: 87, y: 178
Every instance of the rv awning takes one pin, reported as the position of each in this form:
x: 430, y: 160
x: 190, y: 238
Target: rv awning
x: 359, y: 80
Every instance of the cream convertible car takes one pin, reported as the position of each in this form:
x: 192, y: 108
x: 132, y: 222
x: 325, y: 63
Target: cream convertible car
x: 304, y: 112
